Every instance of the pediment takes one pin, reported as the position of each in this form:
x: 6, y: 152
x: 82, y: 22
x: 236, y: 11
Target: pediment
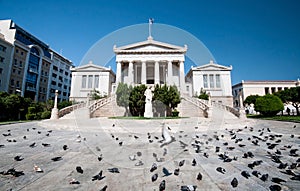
x: 90, y: 67
x: 211, y: 66
x: 150, y: 45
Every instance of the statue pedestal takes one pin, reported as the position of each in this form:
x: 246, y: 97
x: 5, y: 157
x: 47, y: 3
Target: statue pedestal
x: 148, y: 110
x: 54, y: 113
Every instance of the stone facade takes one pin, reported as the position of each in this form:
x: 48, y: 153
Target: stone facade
x: 90, y: 77
x: 242, y: 90
x: 212, y: 78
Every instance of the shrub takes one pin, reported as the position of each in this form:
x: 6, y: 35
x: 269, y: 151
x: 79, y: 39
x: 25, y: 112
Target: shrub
x: 30, y: 116
x: 251, y: 99
x: 203, y: 95
x: 268, y: 105
x: 46, y: 115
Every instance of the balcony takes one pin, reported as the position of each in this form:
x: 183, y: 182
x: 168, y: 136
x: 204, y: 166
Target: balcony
x: 32, y: 89
x: 33, y: 70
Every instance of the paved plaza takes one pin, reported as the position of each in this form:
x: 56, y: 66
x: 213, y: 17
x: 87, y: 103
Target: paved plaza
x: 219, y: 149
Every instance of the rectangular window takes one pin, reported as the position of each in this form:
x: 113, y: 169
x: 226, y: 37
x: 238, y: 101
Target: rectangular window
x: 267, y: 90
x: 96, y: 83
x: 2, y: 48
x: 211, y: 81
x: 90, y: 82
x: 83, y: 81
x: 205, y: 83
x: 1, y: 70
x: 1, y: 59
x: 218, y: 81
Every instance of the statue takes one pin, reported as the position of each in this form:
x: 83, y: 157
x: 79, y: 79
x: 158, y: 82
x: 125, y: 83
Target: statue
x: 148, y: 106
x: 148, y: 94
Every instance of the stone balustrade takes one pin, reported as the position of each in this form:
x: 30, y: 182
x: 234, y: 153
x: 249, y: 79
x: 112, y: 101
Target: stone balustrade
x: 100, y: 103
x: 69, y: 109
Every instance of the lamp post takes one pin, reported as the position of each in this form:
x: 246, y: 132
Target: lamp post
x: 54, y: 112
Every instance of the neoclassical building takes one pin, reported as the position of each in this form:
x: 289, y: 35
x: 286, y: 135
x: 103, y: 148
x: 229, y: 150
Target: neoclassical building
x: 153, y: 62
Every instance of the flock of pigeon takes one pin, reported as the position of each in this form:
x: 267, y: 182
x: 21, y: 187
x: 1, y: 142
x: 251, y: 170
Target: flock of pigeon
x: 223, y: 146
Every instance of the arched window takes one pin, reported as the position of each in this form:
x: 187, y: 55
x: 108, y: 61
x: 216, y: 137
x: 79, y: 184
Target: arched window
x: 35, y: 51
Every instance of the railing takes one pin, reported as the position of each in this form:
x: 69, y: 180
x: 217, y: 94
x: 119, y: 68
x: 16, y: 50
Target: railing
x: 204, y: 105
x: 232, y: 110
x: 96, y: 104
x: 69, y: 109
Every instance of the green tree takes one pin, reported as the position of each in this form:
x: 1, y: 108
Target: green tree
x: 203, y: 95
x: 268, y: 105
x: 13, y: 106
x: 251, y: 99
x: 123, y: 93
x: 168, y: 95
x: 137, y: 100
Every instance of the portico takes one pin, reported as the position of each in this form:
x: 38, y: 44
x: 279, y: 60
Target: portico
x: 151, y: 62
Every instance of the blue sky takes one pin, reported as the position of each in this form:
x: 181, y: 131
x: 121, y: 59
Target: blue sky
x: 259, y: 38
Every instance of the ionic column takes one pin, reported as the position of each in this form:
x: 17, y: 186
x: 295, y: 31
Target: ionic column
x: 156, y: 73
x: 170, y: 73
x: 119, y: 73
x: 181, y: 76
x: 143, y: 75
x: 130, y: 72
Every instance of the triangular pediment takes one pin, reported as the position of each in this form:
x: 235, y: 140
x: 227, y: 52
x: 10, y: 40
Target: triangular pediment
x: 150, y: 45
x: 90, y: 67
x: 212, y: 66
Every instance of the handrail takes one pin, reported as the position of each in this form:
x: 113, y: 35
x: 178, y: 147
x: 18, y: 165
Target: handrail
x: 232, y: 110
x: 69, y: 109
x: 100, y: 103
x: 200, y: 103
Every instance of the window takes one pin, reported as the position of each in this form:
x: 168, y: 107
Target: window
x: 12, y: 82
x: 96, y: 83
x: 83, y: 81
x: 1, y: 59
x: 1, y: 70
x: 90, y: 82
x: 2, y: 48
x: 21, y: 64
x: 18, y: 84
x: 19, y: 72
x: 15, y: 62
x: 267, y: 90
x: 17, y: 50
x: 205, y: 84
x: 218, y: 84
x: 22, y: 53
x: 211, y: 81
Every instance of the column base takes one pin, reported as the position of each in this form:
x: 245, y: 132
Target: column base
x: 54, y: 113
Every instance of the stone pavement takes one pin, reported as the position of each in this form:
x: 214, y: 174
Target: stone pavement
x: 115, y: 141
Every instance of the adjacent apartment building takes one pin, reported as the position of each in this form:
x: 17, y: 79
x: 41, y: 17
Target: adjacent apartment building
x: 30, y: 67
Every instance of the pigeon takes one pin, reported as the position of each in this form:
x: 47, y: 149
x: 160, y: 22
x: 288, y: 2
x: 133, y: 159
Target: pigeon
x: 104, y: 188
x: 140, y: 163
x: 98, y: 176
x: 79, y: 169
x: 181, y: 163
x: 166, y: 172
x: 221, y: 170
x: 275, y: 187
x: 100, y: 158
x: 165, y: 152
x: 56, y: 159
x: 154, y: 167
x: 293, y: 152
x: 277, y: 180
x: 199, y: 176
x: 217, y: 149
x: 136, y: 137
x: 176, y: 172
x: 39, y: 132
x: 264, y: 177
x: 37, y: 169
x: 1, y: 146
x: 65, y: 147
x: 32, y: 145
x: 121, y: 143
x: 6, y: 135
x: 113, y: 170
x: 24, y: 137
x: 132, y: 157
x: 74, y: 181
x: 13, y: 172
x: 162, y: 185
x: 234, y: 182
x: 154, y: 177
x: 245, y: 174
x: 256, y: 173
x: 46, y: 144
x: 194, y: 163
x: 18, y: 158
x: 282, y: 165
x: 188, y: 188
x: 205, y: 155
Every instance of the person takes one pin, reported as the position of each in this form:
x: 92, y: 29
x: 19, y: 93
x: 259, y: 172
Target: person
x: 148, y: 94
